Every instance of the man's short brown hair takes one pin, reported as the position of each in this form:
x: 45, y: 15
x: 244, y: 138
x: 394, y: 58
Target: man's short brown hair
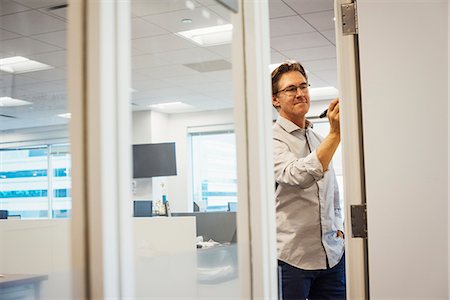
x: 287, y: 66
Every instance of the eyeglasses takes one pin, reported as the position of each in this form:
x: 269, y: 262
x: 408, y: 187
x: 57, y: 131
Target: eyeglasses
x: 292, y: 89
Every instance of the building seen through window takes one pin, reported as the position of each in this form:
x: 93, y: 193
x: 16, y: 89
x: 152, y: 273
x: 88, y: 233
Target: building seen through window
x: 214, y: 181
x: 35, y: 182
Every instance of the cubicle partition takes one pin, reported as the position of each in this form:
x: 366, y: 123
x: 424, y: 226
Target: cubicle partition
x: 216, y: 226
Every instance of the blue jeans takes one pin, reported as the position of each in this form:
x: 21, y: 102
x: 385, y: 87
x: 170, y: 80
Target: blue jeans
x: 312, y: 284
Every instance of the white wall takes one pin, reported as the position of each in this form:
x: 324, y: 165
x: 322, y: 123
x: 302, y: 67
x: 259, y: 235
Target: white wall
x: 448, y: 157
x: 404, y: 69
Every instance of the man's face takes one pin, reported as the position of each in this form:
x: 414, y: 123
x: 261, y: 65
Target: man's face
x: 292, y: 105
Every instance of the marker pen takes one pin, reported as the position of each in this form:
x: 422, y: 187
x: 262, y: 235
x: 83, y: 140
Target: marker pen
x: 324, y: 114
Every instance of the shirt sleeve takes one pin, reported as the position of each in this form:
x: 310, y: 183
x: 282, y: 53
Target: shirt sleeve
x: 289, y: 169
x: 339, y: 218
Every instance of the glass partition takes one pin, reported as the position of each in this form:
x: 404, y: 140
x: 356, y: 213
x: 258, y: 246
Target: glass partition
x: 35, y: 182
x: 182, y: 83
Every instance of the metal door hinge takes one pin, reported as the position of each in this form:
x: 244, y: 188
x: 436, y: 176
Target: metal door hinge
x: 349, y: 16
x: 358, y: 215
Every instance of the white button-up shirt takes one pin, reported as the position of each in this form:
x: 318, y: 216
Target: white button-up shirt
x: 307, y: 200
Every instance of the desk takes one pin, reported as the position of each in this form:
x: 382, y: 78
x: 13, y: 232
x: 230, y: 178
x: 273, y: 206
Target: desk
x: 17, y: 286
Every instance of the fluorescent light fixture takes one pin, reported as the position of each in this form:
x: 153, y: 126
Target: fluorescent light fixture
x: 66, y: 115
x: 172, y: 107
x: 20, y: 64
x: 209, y: 36
x: 9, y: 102
x: 323, y: 93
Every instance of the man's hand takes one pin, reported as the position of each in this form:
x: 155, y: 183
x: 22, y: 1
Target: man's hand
x: 340, y: 234
x: 328, y: 147
x: 334, y: 117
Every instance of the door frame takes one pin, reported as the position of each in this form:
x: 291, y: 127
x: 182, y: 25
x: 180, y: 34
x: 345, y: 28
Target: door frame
x: 98, y: 59
x: 352, y: 154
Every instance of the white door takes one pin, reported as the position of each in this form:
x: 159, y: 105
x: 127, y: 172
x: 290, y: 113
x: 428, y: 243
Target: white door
x: 397, y: 132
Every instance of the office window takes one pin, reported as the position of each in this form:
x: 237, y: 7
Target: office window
x: 26, y: 177
x: 214, y: 172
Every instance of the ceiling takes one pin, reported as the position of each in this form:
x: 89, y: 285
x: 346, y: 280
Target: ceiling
x: 165, y: 67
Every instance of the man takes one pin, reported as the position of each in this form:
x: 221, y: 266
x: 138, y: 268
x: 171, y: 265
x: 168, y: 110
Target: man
x: 310, y: 238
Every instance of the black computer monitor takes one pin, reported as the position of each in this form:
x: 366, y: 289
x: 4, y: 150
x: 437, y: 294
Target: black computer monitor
x: 3, y: 214
x: 152, y: 160
x: 142, y: 208
x: 219, y: 226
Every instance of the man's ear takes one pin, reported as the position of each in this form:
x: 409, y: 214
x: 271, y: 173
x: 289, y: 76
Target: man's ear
x: 275, y: 102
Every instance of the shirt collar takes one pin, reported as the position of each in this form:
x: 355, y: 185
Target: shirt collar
x: 290, y: 126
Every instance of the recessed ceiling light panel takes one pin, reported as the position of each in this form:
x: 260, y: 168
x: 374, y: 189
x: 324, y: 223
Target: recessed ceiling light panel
x: 20, y: 64
x: 172, y: 107
x: 66, y: 115
x: 10, y: 102
x: 209, y: 36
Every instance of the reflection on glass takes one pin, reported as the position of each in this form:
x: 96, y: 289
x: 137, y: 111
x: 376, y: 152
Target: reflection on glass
x: 34, y: 164
x: 182, y: 93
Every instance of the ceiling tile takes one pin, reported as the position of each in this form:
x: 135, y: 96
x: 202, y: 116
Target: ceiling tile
x: 152, y: 7
x: 330, y: 35
x: 320, y: 65
x: 36, y: 92
x: 221, y: 11
x: 48, y: 75
x: 140, y: 28
x: 56, y: 38
x: 9, y: 81
x: 211, y: 87
x: 200, y: 16
x: 9, y: 7
x: 161, y: 43
x: 207, y: 2
x: 147, y: 61
x: 315, y: 81
x: 24, y: 46
x: 167, y: 71
x: 329, y: 76
x: 187, y: 56
x: 288, y: 26
x: 148, y: 84
x: 60, y: 12
x: 321, y: 20
x: 54, y: 59
x: 6, y: 35
x: 41, y: 3
x: 198, y: 78
x: 222, y: 50
x: 135, y: 51
x: 278, y: 8
x: 308, y: 6
x: 299, y: 41
x: 31, y: 22
x: 276, y: 57
x: 314, y: 53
